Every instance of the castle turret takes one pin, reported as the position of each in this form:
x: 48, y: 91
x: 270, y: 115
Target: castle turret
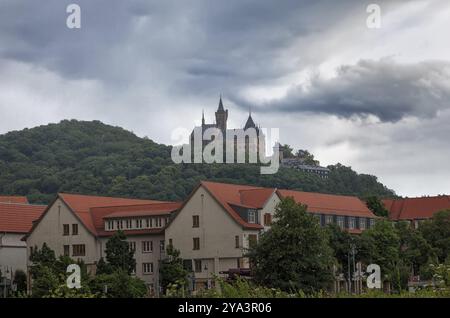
x: 221, y: 116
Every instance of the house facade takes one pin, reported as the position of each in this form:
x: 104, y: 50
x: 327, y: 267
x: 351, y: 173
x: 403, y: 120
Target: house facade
x: 218, y: 222
x: 79, y: 226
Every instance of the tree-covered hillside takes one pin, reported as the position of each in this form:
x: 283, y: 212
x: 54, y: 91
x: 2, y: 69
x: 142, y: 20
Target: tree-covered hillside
x: 94, y: 158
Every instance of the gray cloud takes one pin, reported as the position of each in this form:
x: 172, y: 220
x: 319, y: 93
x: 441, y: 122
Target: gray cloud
x: 151, y: 66
x: 384, y: 88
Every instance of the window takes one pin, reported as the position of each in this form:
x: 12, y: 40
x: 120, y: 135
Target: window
x: 267, y: 219
x: 170, y: 242
x: 74, y: 229
x: 251, y: 216
x: 66, y: 250
x: 148, y: 222
x: 110, y: 225
x: 362, y: 223
x: 128, y: 224
x: 328, y: 219
x: 252, y: 240
x: 119, y: 224
x: 132, y: 246
x: 196, y: 243
x: 371, y: 222
x: 236, y: 241
x: 78, y: 250
x: 147, y: 268
x: 195, y: 221
x: 147, y: 246
x: 66, y: 229
x: 351, y: 222
x: 198, y: 265
x: 161, y: 246
x: 139, y: 223
x: 340, y: 221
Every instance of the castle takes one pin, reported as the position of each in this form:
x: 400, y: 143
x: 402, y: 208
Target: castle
x: 250, y: 137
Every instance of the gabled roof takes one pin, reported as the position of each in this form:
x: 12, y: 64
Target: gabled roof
x: 329, y: 203
x: 239, y: 195
x: 82, y: 204
x: 18, y: 218
x: 416, y: 208
x: 13, y: 199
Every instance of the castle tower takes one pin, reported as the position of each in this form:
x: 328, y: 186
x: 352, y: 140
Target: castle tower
x: 221, y: 116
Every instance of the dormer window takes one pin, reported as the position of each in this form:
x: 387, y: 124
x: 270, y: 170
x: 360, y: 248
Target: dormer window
x: 251, y: 216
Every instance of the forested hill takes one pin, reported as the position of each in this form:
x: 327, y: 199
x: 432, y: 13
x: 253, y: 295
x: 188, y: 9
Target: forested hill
x: 94, y: 158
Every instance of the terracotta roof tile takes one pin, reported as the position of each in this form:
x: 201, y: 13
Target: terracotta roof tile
x: 13, y: 199
x: 416, y: 208
x: 82, y: 205
x: 228, y: 194
x: 329, y: 203
x: 18, y: 218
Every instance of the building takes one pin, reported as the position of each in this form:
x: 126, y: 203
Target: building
x: 250, y: 137
x: 298, y: 164
x: 16, y: 218
x: 416, y: 210
x: 79, y: 226
x: 348, y: 212
x: 218, y: 222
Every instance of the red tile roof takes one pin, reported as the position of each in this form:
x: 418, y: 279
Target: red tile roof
x: 13, y: 199
x: 81, y: 205
x: 329, y: 203
x: 18, y: 218
x: 240, y: 195
x: 416, y: 208
x: 92, y: 209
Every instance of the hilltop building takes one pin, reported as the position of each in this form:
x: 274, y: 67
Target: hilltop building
x: 250, y: 137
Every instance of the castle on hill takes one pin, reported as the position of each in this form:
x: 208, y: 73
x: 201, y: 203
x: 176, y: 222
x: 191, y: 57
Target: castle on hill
x: 251, y: 134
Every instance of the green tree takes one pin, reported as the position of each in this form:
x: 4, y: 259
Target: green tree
x: 437, y: 232
x: 119, y: 284
x: 376, y: 206
x: 341, y: 243
x: 307, y: 157
x: 171, y: 270
x: 381, y: 245
x: 305, y: 261
x: 118, y: 253
x: 415, y: 251
x: 287, y: 151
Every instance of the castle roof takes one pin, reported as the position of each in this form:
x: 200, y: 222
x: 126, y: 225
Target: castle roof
x: 250, y: 123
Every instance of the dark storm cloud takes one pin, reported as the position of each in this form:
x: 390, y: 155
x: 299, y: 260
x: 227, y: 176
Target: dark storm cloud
x: 233, y: 42
x: 384, y: 88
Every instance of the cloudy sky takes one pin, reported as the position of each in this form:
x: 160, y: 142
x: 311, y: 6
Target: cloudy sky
x: 375, y: 99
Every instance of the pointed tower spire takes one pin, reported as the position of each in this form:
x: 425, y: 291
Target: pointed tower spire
x: 220, y: 104
x: 250, y: 123
x: 221, y: 116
